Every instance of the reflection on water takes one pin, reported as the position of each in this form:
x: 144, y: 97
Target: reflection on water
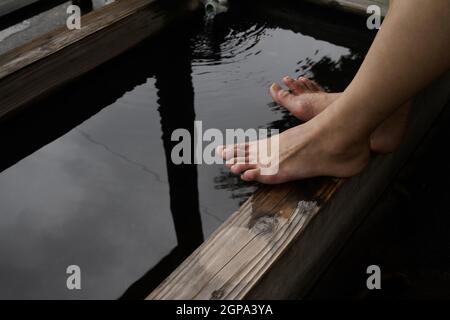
x: 87, y: 177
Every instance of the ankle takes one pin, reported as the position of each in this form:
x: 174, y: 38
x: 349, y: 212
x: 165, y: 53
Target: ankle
x: 340, y: 139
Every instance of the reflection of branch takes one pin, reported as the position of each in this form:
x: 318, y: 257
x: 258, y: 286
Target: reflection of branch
x: 335, y: 75
x: 121, y: 156
x: 240, y: 189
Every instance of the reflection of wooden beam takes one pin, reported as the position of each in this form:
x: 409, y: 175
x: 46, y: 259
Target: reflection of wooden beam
x: 177, y: 111
x: 40, y: 66
x: 283, y: 237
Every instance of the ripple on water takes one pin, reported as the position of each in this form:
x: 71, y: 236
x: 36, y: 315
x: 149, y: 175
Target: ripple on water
x: 236, y: 46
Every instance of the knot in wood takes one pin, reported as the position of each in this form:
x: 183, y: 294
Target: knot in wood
x: 217, y: 294
x: 306, y: 207
x: 265, y: 225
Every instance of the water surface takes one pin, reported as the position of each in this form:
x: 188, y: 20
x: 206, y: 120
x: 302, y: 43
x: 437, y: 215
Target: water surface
x: 86, y: 180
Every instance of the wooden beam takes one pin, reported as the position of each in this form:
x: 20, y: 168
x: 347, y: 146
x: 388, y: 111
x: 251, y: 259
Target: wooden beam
x: 46, y: 63
x: 283, y: 237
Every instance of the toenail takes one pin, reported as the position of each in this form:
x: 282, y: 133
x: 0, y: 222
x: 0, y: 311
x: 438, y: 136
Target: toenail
x: 229, y: 153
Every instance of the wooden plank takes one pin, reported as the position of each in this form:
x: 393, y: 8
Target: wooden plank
x: 39, y: 67
x: 245, y: 247
x: 283, y: 237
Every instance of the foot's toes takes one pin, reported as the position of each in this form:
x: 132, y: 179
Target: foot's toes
x: 239, y: 160
x: 274, y: 90
x: 317, y: 86
x: 310, y: 85
x: 295, y: 86
x: 251, y: 175
x: 285, y: 98
x: 255, y: 175
x: 233, y: 151
x: 220, y: 151
x: 241, y: 167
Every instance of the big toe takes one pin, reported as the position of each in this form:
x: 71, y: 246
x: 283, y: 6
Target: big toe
x: 256, y: 175
x: 251, y: 175
x: 283, y: 97
x: 240, y: 167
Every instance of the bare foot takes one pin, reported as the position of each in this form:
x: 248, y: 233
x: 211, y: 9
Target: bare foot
x: 308, y: 150
x: 306, y: 99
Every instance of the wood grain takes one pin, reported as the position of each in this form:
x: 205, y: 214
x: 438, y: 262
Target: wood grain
x: 242, y: 250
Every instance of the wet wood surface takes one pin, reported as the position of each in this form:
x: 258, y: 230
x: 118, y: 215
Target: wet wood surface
x: 52, y: 60
x: 280, y: 241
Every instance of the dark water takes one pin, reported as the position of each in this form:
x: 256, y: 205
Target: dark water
x: 85, y: 176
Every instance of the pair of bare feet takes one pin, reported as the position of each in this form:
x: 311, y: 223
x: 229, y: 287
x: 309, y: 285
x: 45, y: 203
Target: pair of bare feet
x: 319, y: 147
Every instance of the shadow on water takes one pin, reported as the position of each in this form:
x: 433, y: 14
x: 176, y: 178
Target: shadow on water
x: 29, y: 131
x: 169, y: 59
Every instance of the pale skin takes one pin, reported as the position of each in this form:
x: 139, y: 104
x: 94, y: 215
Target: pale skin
x: 306, y: 99
x: 409, y: 52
